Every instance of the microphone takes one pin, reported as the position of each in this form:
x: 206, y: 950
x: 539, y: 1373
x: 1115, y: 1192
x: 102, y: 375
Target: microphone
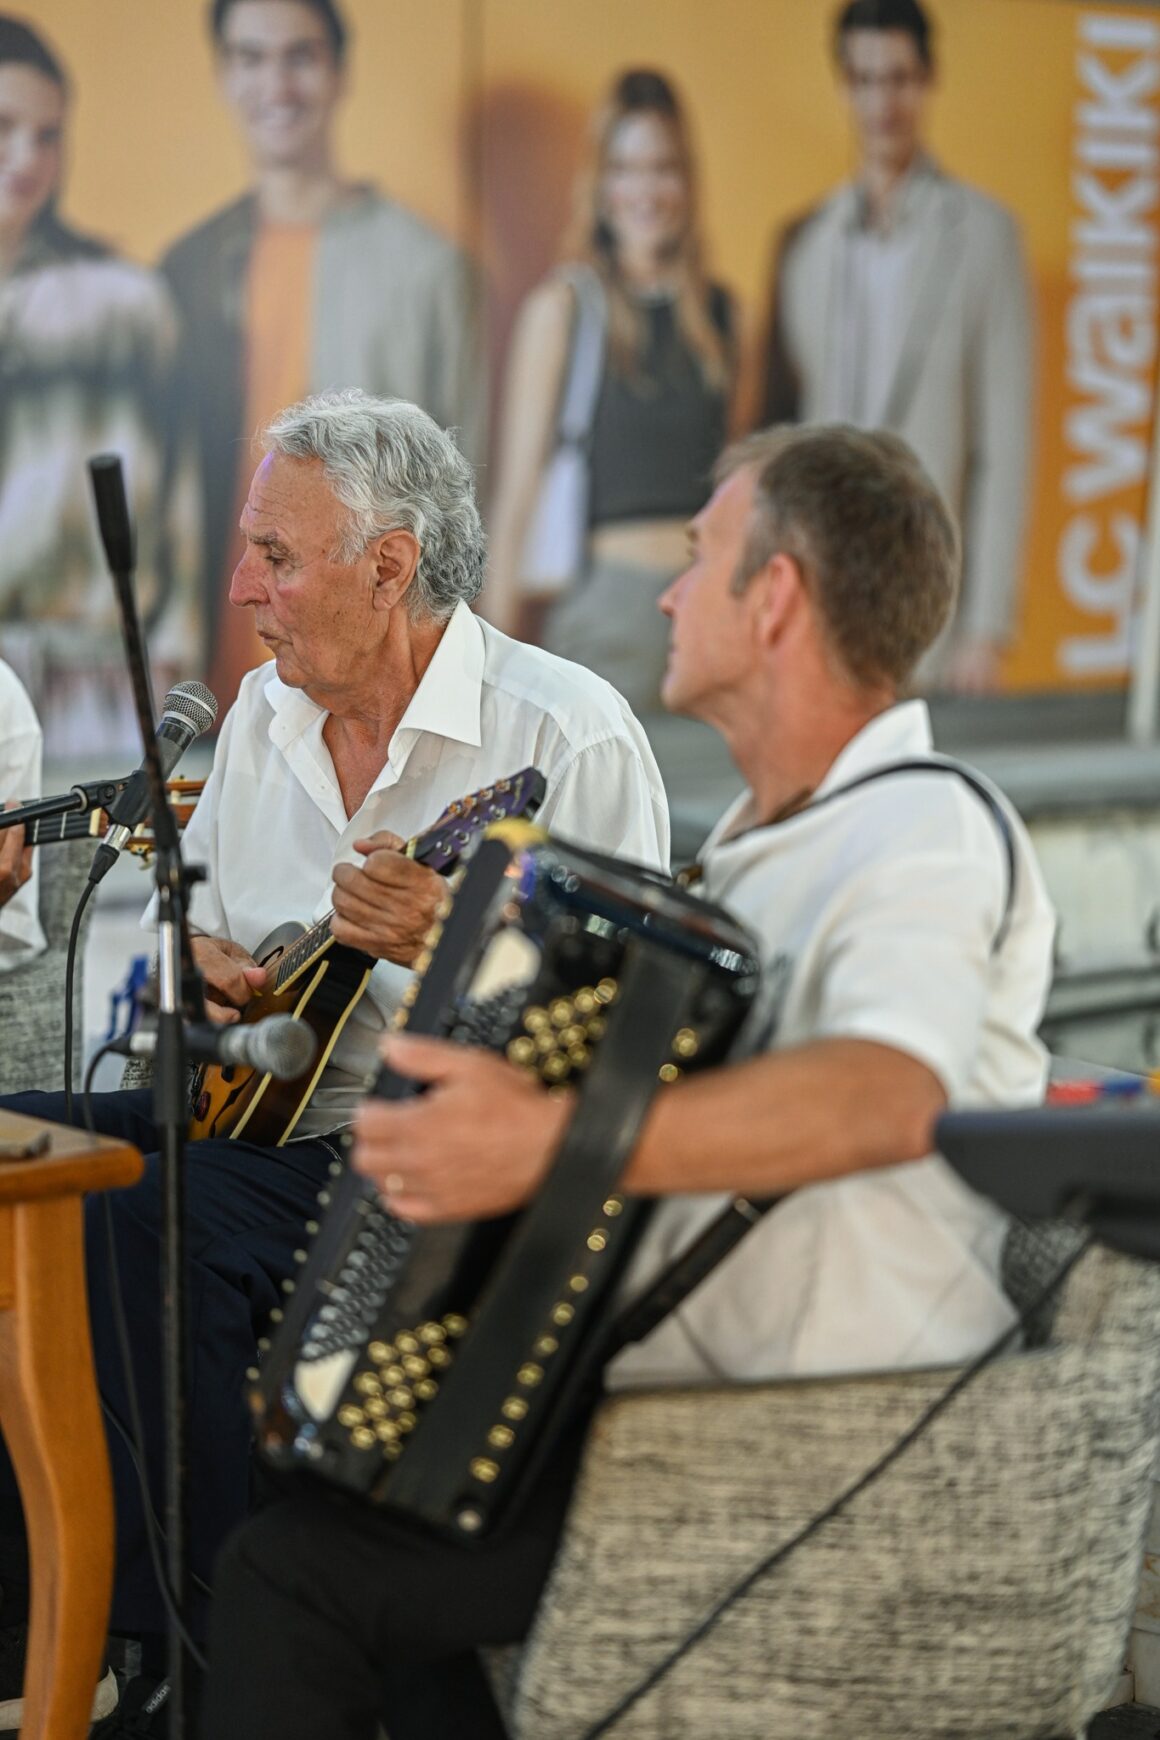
x: 279, y: 1045
x: 190, y: 709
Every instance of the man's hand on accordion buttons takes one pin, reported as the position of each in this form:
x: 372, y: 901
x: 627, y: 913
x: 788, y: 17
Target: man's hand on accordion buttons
x: 386, y: 905
x: 476, y: 1144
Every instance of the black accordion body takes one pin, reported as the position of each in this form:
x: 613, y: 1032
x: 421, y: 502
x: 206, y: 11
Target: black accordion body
x: 426, y: 1368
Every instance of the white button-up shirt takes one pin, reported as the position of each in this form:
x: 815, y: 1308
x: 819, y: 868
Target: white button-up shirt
x: 21, y: 936
x: 876, y: 913
x: 271, y: 825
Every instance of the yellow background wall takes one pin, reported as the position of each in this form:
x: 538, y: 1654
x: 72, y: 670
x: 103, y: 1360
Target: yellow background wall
x: 473, y: 111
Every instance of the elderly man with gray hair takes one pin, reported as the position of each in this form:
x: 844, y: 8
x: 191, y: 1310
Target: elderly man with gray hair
x: 387, y: 699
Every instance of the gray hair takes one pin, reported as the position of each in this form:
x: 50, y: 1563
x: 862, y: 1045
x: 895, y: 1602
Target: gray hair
x: 393, y: 468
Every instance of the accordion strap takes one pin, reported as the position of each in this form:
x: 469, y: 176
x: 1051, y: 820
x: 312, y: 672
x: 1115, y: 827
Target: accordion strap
x: 686, y: 1272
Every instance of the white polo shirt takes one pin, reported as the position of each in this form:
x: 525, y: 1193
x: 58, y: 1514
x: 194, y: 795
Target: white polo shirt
x: 270, y: 825
x: 876, y: 912
x: 21, y: 936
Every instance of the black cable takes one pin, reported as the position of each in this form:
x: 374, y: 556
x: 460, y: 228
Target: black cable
x: 898, y: 1448
x: 70, y: 962
x: 133, y: 1434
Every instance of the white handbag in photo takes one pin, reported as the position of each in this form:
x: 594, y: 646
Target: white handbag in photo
x: 553, y: 549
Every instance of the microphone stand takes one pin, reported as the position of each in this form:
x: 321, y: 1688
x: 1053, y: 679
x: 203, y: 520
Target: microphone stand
x: 98, y: 794
x: 179, y: 995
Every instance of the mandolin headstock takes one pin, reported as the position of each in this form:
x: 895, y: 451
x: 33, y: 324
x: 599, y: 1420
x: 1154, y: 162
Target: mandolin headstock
x: 460, y: 827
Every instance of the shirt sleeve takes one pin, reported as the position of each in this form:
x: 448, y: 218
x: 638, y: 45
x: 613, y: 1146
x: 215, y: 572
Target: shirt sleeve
x: 21, y: 935
x: 610, y: 798
x: 908, y: 953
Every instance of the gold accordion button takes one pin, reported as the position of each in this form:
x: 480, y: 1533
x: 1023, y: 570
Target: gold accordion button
x: 529, y: 1375
x: 515, y: 1408
x: 367, y: 1384
x: 562, y: 1012
x: 614, y: 1206
x: 545, y: 1345
x: 522, y: 1050
x: 668, y: 1072
x: 376, y: 1408
x: 578, y: 1284
x: 415, y: 1365
x: 483, y: 1468
x: 562, y: 1314
x: 454, y: 1324
x: 387, y: 1432
x: 606, y: 991
x: 405, y: 1421
x: 426, y: 1390
x: 500, y: 1437
x: 432, y: 1334
x: 406, y: 1343
x: 362, y: 1438
x: 536, y: 1019
x: 439, y: 1357
x: 401, y: 1397
x: 597, y: 1240
x: 349, y: 1415
x: 685, y: 1043
x: 585, y: 1001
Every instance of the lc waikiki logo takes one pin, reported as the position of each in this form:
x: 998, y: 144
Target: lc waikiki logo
x: 1110, y: 333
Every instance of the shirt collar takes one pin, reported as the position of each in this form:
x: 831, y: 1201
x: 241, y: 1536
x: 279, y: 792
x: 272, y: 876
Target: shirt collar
x: 446, y: 703
x: 901, y: 732
x: 908, y: 199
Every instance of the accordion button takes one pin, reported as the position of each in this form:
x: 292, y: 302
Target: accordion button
x: 578, y: 1284
x: 522, y: 1050
x: 613, y: 1206
x: 454, y: 1324
x: 426, y: 1390
x: 406, y: 1343
x: 439, y: 1356
x: 387, y: 1432
x: 393, y: 1374
x: 415, y: 1365
x: 562, y: 1314
x: 668, y: 1072
x: 685, y: 1043
x: 597, y: 1240
x: 606, y: 991
x: 500, y: 1437
x: 469, y: 1520
x: 380, y: 1351
x: 529, y: 1375
x: 400, y: 1398
x: 515, y: 1408
x: 562, y: 1012
x: 376, y: 1408
x: 362, y: 1438
x: 483, y: 1468
x: 545, y: 1345
x: 584, y: 1001
x: 349, y: 1415
x: 536, y: 1019
x: 432, y: 1334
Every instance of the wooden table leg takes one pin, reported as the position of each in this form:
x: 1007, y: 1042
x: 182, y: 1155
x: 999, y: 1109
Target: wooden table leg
x: 55, y: 1435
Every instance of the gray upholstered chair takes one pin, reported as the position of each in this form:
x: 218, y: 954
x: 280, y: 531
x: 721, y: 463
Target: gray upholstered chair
x: 984, y: 1587
x: 32, y: 996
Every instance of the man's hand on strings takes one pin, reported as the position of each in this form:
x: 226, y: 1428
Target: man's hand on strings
x: 386, y: 905
x: 475, y: 1145
x: 231, y: 976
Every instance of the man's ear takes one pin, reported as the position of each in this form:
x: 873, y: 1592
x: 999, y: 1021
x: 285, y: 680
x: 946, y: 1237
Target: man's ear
x: 396, y: 558
x: 778, y: 591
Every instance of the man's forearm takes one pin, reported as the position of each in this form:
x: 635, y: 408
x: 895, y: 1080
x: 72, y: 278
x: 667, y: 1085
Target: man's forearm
x: 788, y: 1119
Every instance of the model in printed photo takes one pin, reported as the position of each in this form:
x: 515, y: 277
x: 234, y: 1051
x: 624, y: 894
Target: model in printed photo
x: 88, y: 342
x: 902, y: 302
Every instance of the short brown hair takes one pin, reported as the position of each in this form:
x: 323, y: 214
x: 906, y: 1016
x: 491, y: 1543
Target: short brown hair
x: 874, y: 539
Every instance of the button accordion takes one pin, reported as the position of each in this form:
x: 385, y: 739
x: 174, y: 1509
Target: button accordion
x: 429, y: 1368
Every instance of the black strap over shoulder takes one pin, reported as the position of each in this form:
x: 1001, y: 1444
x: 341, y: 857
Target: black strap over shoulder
x: 943, y: 764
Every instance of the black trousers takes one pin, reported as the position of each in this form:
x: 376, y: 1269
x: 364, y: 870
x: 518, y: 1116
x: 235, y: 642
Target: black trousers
x: 330, y: 1618
x: 246, y: 1208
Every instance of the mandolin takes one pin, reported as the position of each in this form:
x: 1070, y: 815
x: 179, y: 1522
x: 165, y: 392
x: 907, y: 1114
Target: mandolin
x: 320, y: 980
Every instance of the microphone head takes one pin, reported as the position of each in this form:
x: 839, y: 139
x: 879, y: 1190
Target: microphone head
x: 192, y: 703
x: 283, y: 1046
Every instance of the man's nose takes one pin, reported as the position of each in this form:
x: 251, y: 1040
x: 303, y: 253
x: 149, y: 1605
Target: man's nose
x: 246, y: 586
